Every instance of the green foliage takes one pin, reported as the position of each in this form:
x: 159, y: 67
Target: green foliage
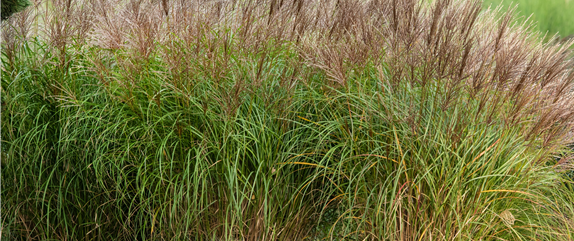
x: 10, y: 7
x: 268, y: 124
x: 552, y: 16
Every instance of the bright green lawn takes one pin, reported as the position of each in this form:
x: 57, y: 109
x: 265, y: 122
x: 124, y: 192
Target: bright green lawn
x: 554, y: 16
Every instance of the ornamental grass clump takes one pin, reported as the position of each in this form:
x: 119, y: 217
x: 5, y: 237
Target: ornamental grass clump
x: 283, y: 120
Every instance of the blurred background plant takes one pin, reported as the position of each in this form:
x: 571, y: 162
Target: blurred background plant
x: 10, y: 7
x: 549, y: 16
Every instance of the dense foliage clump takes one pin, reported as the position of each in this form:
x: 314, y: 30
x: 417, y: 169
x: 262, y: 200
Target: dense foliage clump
x: 283, y: 120
x: 10, y: 7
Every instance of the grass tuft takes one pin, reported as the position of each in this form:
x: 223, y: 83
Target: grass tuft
x: 283, y: 120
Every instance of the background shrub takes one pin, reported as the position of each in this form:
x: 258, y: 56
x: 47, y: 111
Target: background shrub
x: 10, y: 7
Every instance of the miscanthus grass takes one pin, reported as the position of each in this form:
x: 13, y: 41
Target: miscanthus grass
x: 282, y: 120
